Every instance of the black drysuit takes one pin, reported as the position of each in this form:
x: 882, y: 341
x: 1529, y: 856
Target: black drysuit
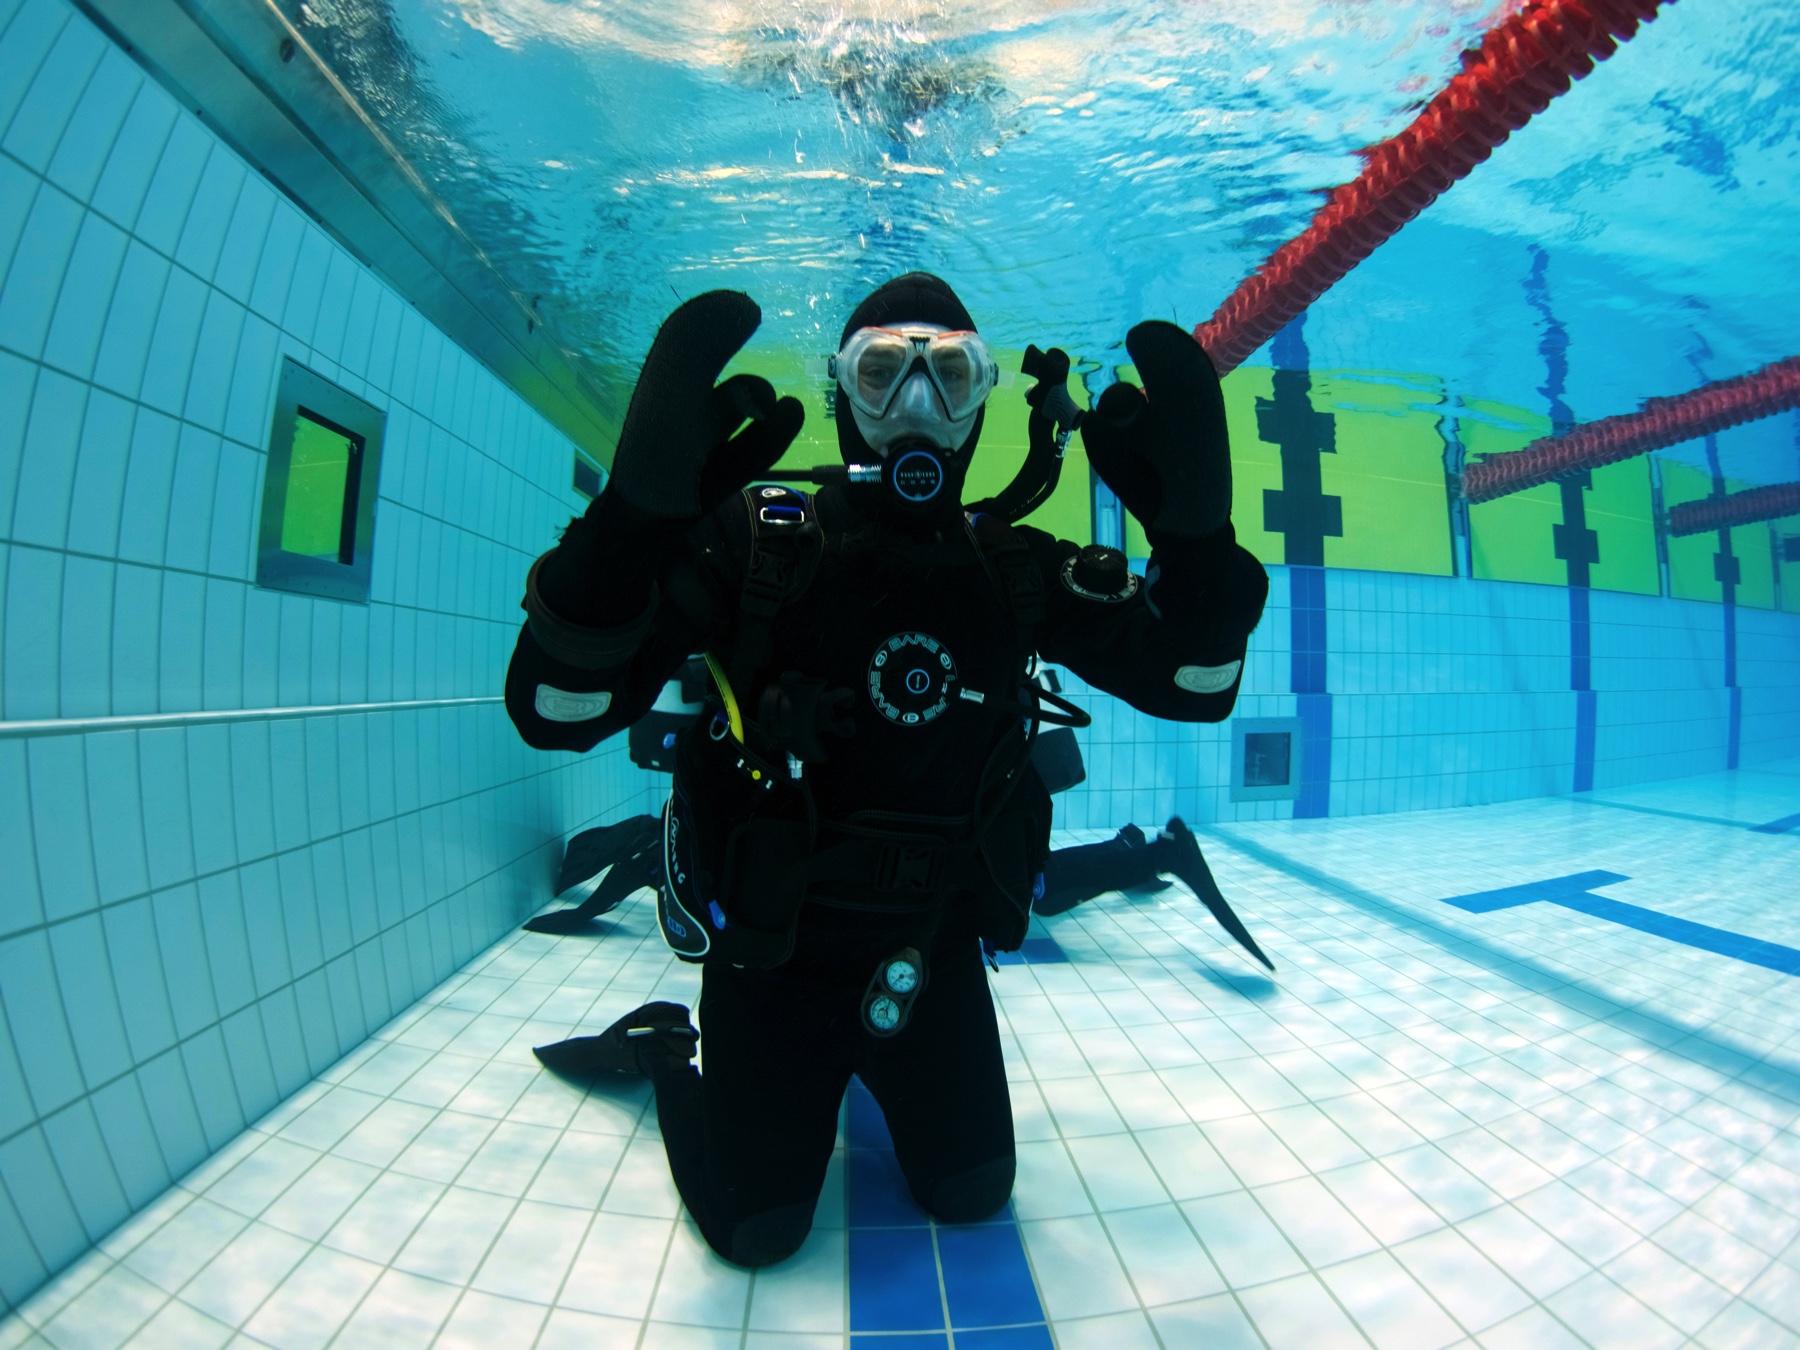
x: 748, y: 1141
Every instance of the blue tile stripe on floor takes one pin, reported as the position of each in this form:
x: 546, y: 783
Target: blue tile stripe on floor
x: 1034, y: 951
x: 1781, y: 826
x: 914, y: 1283
x: 1575, y: 892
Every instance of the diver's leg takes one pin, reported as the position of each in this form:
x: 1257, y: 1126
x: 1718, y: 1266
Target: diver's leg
x: 941, y: 1083
x: 749, y: 1140
x: 1072, y: 875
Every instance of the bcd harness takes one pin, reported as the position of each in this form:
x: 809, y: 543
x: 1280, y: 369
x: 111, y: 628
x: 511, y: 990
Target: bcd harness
x: 744, y: 846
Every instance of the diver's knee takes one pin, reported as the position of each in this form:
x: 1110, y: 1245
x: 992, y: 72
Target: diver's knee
x: 966, y: 1197
x: 768, y: 1236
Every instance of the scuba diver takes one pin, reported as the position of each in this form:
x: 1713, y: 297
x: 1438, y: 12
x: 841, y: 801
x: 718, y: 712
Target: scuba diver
x: 858, y: 817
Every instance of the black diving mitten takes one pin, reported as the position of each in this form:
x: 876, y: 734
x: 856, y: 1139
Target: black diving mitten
x: 678, y: 456
x: 1164, y: 449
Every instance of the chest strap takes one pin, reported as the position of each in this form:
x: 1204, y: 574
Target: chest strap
x: 1013, y: 570
x: 784, y: 554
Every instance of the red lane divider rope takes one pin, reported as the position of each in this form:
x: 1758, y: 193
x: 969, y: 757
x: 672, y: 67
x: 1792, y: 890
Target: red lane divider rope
x: 1519, y: 67
x: 1738, y: 508
x: 1660, y: 422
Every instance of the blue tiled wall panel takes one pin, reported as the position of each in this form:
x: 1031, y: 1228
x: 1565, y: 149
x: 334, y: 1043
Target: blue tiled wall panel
x: 1449, y: 692
x: 196, y: 920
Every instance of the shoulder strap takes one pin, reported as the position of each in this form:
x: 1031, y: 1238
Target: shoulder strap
x: 784, y: 553
x: 1008, y: 561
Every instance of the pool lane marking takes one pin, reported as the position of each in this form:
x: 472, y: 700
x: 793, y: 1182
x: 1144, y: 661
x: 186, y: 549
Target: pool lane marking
x: 1781, y: 826
x: 903, y: 1292
x: 1575, y: 892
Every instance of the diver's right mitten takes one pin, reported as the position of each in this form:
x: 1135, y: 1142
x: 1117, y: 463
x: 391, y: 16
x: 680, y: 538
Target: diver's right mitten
x: 678, y: 456
x: 677, y: 459
x: 1164, y: 449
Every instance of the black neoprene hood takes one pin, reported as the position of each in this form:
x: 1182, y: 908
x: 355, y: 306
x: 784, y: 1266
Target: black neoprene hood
x: 913, y: 297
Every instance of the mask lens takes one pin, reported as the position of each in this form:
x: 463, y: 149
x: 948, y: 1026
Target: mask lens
x: 964, y: 370
x: 878, y: 368
x: 956, y: 378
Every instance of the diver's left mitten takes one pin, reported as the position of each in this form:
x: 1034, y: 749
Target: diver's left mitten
x: 1164, y: 448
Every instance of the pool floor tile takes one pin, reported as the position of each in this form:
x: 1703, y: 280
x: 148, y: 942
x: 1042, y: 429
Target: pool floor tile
x: 1512, y: 1125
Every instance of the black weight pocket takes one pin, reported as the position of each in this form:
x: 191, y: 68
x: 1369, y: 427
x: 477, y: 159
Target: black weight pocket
x: 1009, y: 861
x: 733, y: 860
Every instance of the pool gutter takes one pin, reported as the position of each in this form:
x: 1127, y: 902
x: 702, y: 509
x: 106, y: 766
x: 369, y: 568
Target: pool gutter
x: 246, y: 72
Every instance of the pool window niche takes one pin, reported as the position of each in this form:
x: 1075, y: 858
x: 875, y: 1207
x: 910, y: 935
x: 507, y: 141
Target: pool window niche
x: 1265, y: 759
x: 317, y: 533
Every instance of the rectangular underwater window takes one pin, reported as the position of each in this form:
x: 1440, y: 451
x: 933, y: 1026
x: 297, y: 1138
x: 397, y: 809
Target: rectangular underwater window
x: 1265, y: 759
x: 317, y: 532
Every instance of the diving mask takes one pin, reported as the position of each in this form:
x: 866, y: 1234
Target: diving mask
x: 915, y: 381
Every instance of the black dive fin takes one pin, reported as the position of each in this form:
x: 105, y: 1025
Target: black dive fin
x: 627, y: 875
x: 662, y: 1027
x: 592, y: 851
x: 1189, y: 866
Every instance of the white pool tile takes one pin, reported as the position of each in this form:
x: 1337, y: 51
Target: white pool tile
x: 176, y: 1252
x: 1113, y: 1331
x: 1381, y: 1202
x: 1218, y: 1321
x: 1474, y: 1290
x: 533, y: 1252
x: 1242, y: 1240
x: 616, y: 1270
x: 1601, y: 1312
x: 1165, y: 1262
x: 109, y: 1313
x: 1048, y: 1184
x: 401, y: 1312
x: 250, y: 1268
x: 1252, y: 1150
x: 1116, y: 1172
x: 1389, y: 1306
x: 482, y: 1321
x: 697, y: 1287
x: 568, y: 1329
x: 805, y: 1293
x: 1528, y: 1253
x: 451, y: 1242
x: 179, y: 1327
x: 381, y: 1220
x: 1532, y: 1329
x: 312, y: 1303
x: 1300, y: 1311
x: 1312, y: 1219
x: 1188, y: 1166
x: 1078, y: 1272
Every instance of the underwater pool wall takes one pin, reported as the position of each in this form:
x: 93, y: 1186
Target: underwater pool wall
x: 198, y: 915
x: 1443, y: 691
